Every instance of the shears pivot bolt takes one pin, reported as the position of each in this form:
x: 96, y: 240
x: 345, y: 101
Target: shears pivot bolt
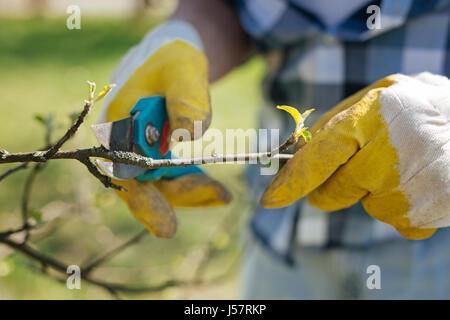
x: 151, y: 134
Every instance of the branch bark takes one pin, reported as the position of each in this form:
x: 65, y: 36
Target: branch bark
x: 100, y: 176
x: 113, y: 288
x: 112, y: 253
x: 12, y: 170
x: 139, y: 160
x: 54, y: 152
x: 69, y: 133
x: 131, y: 158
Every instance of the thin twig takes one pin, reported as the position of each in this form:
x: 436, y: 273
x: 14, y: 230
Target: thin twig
x: 132, y: 158
x: 84, y: 155
x: 138, y: 160
x: 7, y: 233
x: 283, y: 147
x: 49, y: 262
x: 36, y: 255
x: 110, y: 254
x: 27, y: 192
x: 100, y: 176
x: 227, y: 223
x: 26, y: 198
x: 12, y: 170
x: 25, y: 164
x: 69, y: 133
x: 88, y: 104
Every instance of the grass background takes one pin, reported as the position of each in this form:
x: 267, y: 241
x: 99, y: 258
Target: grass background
x: 43, y: 69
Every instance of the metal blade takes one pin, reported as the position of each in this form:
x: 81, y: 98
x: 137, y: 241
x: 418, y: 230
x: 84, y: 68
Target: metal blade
x: 115, y: 136
x: 120, y: 171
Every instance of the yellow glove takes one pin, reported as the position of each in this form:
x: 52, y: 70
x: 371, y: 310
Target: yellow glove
x: 167, y: 62
x: 387, y: 145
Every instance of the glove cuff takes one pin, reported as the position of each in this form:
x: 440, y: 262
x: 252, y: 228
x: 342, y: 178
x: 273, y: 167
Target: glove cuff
x: 173, y: 30
x: 167, y: 32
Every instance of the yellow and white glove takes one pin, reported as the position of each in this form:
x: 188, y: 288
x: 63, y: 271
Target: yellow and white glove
x: 388, y: 145
x: 169, y: 62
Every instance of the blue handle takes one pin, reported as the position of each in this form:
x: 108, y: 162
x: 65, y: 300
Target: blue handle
x: 153, y: 110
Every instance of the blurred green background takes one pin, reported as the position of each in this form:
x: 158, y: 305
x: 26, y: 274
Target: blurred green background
x: 43, y: 70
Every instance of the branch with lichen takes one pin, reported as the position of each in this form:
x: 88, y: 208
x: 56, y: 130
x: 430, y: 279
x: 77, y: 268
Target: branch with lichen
x: 131, y: 158
x: 36, y: 161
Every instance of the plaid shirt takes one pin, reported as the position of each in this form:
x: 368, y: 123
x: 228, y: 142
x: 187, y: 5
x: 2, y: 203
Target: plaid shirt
x: 315, y: 64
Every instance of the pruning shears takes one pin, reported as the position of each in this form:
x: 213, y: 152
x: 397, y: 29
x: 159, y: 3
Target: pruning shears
x: 147, y: 132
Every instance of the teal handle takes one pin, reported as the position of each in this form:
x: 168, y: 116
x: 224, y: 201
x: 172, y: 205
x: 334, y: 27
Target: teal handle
x: 152, y: 110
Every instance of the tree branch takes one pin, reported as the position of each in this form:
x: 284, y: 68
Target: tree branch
x: 100, y: 176
x: 110, y: 254
x: 69, y: 133
x: 7, y: 233
x: 139, y: 160
x: 26, y: 197
x: 54, y: 152
x: 12, y: 170
x: 111, y: 287
x: 130, y: 158
x: 73, y: 129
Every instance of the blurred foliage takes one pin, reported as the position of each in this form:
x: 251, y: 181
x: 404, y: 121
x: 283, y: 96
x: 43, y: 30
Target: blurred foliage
x: 43, y: 70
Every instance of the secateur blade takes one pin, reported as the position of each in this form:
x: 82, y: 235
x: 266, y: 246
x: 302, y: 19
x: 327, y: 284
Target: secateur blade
x: 117, y: 136
x: 146, y: 132
x: 120, y: 171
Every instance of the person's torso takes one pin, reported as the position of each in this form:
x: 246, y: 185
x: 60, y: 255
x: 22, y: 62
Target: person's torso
x: 316, y: 62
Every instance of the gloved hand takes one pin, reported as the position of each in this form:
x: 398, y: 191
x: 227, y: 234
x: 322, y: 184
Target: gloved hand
x: 388, y: 145
x: 167, y: 62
